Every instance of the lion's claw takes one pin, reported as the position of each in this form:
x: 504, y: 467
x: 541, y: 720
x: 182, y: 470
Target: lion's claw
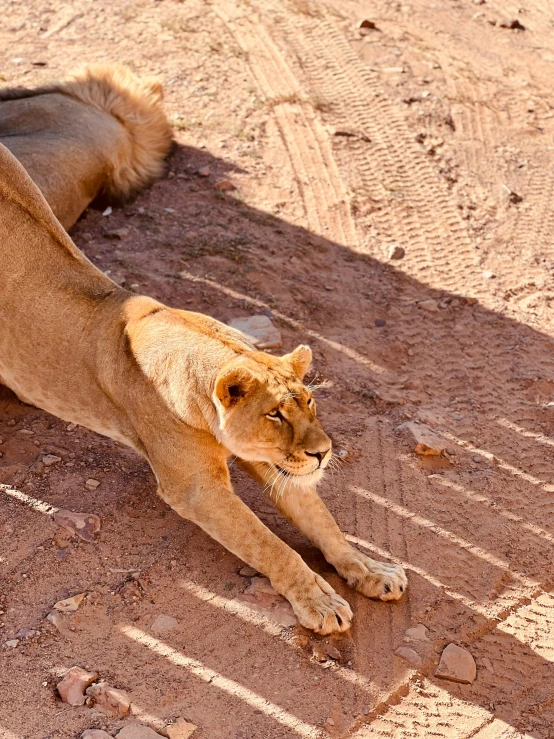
x: 373, y: 579
x: 320, y: 608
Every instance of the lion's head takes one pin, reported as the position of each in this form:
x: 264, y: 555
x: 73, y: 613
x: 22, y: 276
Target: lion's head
x: 267, y: 414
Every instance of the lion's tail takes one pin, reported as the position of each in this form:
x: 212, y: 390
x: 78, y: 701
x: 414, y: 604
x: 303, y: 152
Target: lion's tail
x: 136, y: 104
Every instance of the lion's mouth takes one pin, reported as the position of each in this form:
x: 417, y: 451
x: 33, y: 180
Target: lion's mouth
x: 296, y: 474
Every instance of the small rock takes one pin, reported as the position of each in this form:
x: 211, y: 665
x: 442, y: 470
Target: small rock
x: 85, y: 525
x: 95, y: 734
x: 380, y: 322
x: 247, y: 571
x: 223, y: 185
x: 170, y: 210
x: 204, y: 171
x: 342, y: 453
x: 488, y: 275
x: 181, y: 729
x: 50, y: 459
x: 427, y: 442
x: 263, y: 599
x: 117, y: 233
x: 332, y: 652
x: 513, y: 24
x: 108, y: 211
x: 135, y: 730
x: 92, y: 484
x: 26, y: 633
x: 430, y: 306
x: 259, y: 330
x: 12, y: 643
x: 70, y: 604
x: 162, y: 624
x: 365, y: 27
x: 397, y: 252
x: 456, y: 664
x: 109, y: 701
x: 75, y: 682
x: 410, y: 655
x: 329, y: 722
x: 329, y: 287
x: 416, y: 633
x: 56, y: 619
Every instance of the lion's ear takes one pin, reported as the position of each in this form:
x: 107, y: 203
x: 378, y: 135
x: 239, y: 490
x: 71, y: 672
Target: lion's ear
x: 233, y: 385
x: 299, y: 359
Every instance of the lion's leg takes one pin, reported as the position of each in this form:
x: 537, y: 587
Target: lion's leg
x: 304, y: 509
x: 211, y: 503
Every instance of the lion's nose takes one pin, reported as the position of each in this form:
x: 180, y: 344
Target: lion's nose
x: 320, y: 455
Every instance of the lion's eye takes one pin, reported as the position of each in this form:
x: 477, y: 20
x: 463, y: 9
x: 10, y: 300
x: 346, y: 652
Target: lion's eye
x: 274, y: 415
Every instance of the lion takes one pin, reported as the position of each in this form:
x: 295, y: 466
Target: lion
x: 101, y: 132
x: 184, y: 391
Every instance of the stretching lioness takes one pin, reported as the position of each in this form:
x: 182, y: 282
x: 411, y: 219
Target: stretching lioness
x: 183, y: 390
x: 103, y: 131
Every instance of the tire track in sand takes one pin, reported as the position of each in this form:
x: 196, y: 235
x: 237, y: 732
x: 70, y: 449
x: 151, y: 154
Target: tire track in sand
x: 414, y: 208
x: 325, y: 197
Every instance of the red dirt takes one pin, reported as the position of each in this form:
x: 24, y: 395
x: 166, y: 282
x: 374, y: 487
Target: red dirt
x: 432, y: 132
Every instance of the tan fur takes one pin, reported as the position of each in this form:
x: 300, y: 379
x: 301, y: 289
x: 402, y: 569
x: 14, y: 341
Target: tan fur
x: 183, y: 390
x: 103, y: 131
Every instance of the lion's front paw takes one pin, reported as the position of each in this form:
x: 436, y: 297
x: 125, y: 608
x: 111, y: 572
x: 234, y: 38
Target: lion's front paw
x: 320, y: 608
x: 373, y: 579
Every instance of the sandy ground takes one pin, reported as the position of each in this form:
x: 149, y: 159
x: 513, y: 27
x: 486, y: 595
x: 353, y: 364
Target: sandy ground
x: 432, y: 132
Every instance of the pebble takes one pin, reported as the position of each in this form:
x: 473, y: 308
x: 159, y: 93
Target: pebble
x: 117, y: 233
x: 26, y: 633
x: 456, y: 664
x: 410, y: 655
x: 50, y: 459
x: 262, y: 598
x: 513, y: 24
x: 85, y: 525
x: 56, y: 619
x: 75, y: 682
x: 204, y: 171
x: 108, y: 211
x: 416, y: 633
x: 92, y: 484
x: 247, y: 571
x: 259, y: 330
x: 163, y: 624
x: 95, y: 734
x: 397, y: 252
x: 12, y: 643
x: 109, y: 701
x: 135, y: 730
x: 70, y: 604
x: 427, y: 442
x: 332, y: 652
x: 181, y: 729
x: 342, y: 453
x: 380, y: 322
x: 223, y: 185
x: 430, y: 306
